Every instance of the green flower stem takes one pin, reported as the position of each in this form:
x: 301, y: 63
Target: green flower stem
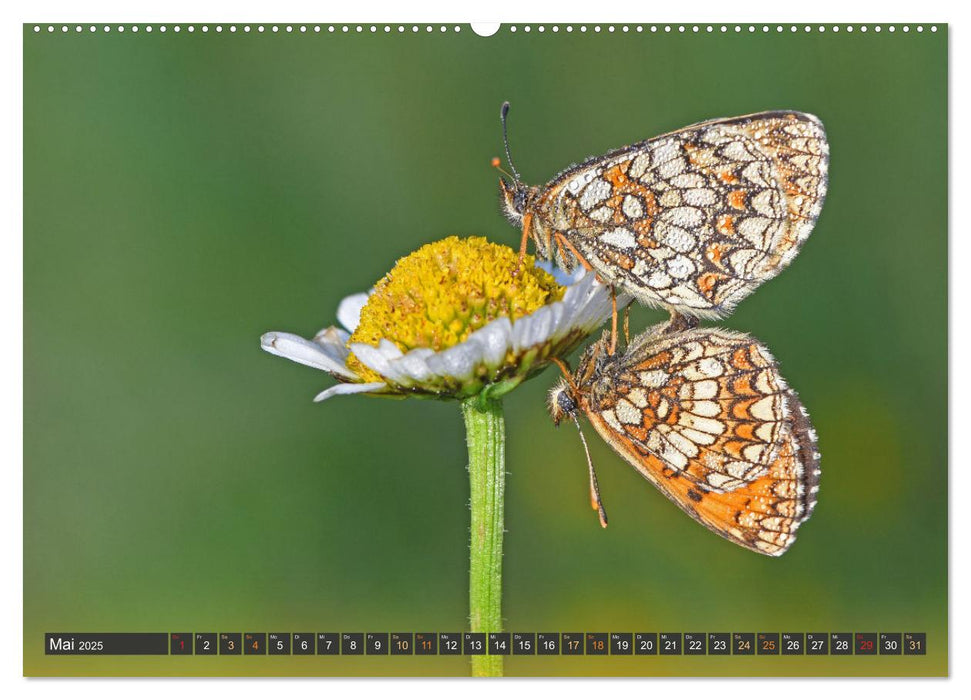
x: 486, y: 435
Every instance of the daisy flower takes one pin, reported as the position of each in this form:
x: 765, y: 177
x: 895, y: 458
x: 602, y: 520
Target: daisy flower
x: 455, y: 319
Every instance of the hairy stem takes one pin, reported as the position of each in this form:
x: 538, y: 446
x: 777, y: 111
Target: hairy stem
x: 486, y: 436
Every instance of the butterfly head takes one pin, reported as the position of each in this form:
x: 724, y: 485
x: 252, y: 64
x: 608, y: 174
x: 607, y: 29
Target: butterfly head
x: 562, y: 402
x: 516, y: 198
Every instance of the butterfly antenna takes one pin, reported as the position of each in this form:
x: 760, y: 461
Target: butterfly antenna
x: 595, y: 502
x: 503, y: 113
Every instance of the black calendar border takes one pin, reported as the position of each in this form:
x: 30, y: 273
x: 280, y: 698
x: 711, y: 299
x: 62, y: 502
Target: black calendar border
x: 775, y: 644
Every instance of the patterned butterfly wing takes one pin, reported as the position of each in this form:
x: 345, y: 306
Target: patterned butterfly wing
x: 707, y: 418
x: 696, y: 219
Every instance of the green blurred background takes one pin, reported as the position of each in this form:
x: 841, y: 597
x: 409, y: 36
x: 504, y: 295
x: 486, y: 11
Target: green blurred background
x: 185, y: 193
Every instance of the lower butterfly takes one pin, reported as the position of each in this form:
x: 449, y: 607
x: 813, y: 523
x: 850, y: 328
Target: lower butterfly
x: 705, y: 416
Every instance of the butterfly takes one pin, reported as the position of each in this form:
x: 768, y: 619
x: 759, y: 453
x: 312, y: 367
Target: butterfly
x: 691, y: 221
x: 705, y: 416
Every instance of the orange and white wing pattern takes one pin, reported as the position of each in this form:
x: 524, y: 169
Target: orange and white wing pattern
x: 696, y: 219
x: 707, y: 418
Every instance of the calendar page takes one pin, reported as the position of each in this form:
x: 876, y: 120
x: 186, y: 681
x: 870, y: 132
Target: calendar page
x: 461, y: 350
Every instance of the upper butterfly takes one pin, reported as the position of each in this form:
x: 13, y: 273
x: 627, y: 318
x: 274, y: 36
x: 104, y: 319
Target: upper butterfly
x: 691, y: 221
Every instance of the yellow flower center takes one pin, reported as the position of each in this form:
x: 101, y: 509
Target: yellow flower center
x: 438, y: 295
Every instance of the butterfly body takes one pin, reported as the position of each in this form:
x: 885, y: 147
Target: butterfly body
x: 691, y: 221
x: 706, y: 417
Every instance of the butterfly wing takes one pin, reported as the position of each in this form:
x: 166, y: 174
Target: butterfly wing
x: 696, y: 219
x: 706, y: 417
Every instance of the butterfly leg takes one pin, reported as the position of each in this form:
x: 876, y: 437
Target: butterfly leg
x: 562, y: 242
x: 679, y: 323
x: 627, y: 325
x: 567, y: 374
x: 561, y: 251
x: 527, y: 226
x: 613, y: 322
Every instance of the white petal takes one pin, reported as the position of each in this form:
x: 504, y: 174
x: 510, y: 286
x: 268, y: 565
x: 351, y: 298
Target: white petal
x: 389, y: 349
x: 588, y: 303
x: 494, y: 339
x: 558, y: 319
x: 413, y: 368
x: 380, y: 358
x: 340, y: 389
x: 436, y: 365
x: 461, y: 359
x: 371, y: 357
x: 391, y: 358
x: 349, y: 310
x: 306, y: 352
x: 528, y: 329
x: 574, y: 295
x: 542, y: 326
x: 333, y: 341
x: 332, y: 335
